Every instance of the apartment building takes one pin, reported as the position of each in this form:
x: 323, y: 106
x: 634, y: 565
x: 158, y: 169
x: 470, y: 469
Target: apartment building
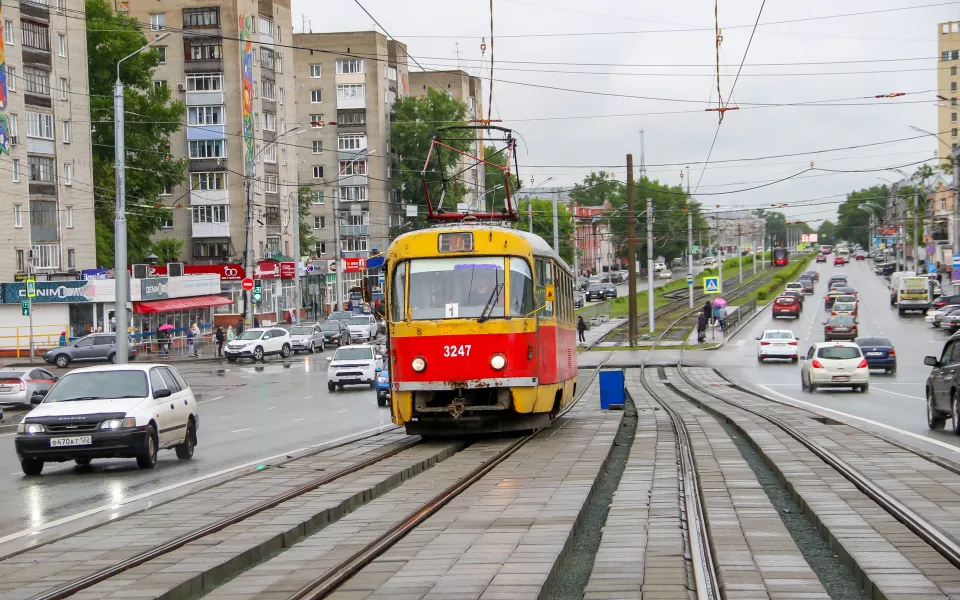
x: 225, y: 142
x: 351, y: 79
x: 948, y: 36
x: 469, y: 90
x: 45, y: 142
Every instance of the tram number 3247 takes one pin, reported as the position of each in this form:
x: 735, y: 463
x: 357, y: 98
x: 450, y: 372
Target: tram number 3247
x: 455, y: 351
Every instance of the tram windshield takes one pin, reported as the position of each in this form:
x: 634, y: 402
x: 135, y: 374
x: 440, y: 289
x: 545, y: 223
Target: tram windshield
x: 456, y: 288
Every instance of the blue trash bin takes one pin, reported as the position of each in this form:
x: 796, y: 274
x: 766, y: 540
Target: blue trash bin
x: 612, y: 392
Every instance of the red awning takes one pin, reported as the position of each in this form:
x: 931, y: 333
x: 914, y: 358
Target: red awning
x: 158, y: 306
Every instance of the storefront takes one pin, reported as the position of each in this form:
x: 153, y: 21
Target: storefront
x: 177, y: 301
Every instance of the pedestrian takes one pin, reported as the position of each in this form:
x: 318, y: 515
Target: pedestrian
x: 192, y: 333
x: 164, y: 338
x: 581, y: 328
x: 701, y: 327
x: 708, y: 311
x: 316, y: 309
x: 220, y: 339
x: 230, y: 334
x: 63, y: 338
x: 256, y: 321
x: 239, y: 326
x: 720, y: 313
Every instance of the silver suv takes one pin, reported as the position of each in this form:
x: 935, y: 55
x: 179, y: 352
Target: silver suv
x: 97, y: 346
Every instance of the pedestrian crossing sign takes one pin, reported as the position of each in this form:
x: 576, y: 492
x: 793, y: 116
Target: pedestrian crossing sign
x: 711, y: 285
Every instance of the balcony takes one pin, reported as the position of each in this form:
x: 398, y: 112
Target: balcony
x: 352, y: 180
x: 354, y: 230
x: 206, y: 65
x: 206, y: 197
x: 35, y: 10
x: 211, y: 230
x: 206, y: 132
x: 45, y: 256
x: 40, y: 146
x: 34, y: 57
x: 205, y: 98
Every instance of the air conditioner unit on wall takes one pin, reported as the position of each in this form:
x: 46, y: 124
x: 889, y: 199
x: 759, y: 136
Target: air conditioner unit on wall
x: 141, y: 271
x: 181, y: 87
x: 15, y: 140
x: 175, y: 269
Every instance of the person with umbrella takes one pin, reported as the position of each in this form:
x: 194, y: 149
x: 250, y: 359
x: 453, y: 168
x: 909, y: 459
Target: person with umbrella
x: 164, y: 333
x: 720, y: 313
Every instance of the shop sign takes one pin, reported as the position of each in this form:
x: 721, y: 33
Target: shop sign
x: 159, y: 288
x: 94, y: 274
x: 49, y: 292
x: 353, y: 265
x: 154, y: 288
x: 267, y: 269
x: 288, y: 270
x: 227, y: 272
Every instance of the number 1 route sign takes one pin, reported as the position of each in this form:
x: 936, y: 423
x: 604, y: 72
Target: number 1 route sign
x: 711, y: 285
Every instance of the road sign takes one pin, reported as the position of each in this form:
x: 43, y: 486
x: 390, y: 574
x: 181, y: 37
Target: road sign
x: 25, y: 307
x: 247, y: 284
x: 711, y: 285
x: 689, y: 278
x: 309, y: 268
x: 931, y: 267
x: 31, y: 287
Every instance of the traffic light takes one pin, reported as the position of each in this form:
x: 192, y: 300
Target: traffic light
x: 257, y: 290
x: 25, y: 307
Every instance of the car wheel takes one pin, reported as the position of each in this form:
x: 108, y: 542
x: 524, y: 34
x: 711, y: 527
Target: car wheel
x: 803, y: 383
x: 864, y: 388
x: 147, y: 456
x: 893, y: 370
x: 31, y: 466
x: 185, y: 449
x: 935, y: 418
x: 331, y: 386
x: 759, y: 359
x: 231, y: 360
x: 310, y: 349
x: 373, y: 385
x: 285, y: 351
x: 83, y: 461
x: 112, y: 358
x: 62, y: 361
x: 258, y: 353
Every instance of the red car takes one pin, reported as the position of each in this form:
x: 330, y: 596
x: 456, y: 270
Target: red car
x: 839, y: 261
x: 861, y: 255
x: 786, y: 306
x: 821, y: 258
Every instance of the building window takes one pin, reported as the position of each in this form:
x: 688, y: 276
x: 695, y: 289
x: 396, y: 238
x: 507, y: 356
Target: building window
x: 208, y: 181
x: 314, y: 71
x: 65, y: 131
x: 353, y: 167
x: 167, y: 222
x: 271, y: 184
x: 351, y: 141
x: 953, y: 70
x: 63, y: 88
x: 160, y: 83
x: 319, y: 223
x: 270, y: 153
x: 954, y: 54
x: 953, y: 86
x: 953, y: 132
x: 351, y: 91
x: 353, y: 193
x: 256, y: 120
x: 207, y: 149
x: 35, y: 35
x: 317, y: 197
x: 18, y: 215
x: 317, y: 172
x: 269, y: 90
x: 354, y: 244
x: 14, y: 125
x: 162, y: 51
x: 943, y: 204
x: 210, y: 214
x: 321, y: 249
x: 21, y: 264
x: 166, y: 189
x: 953, y: 117
x: 205, y: 83
x: 315, y: 121
x: 46, y: 256
x: 67, y: 174
x: 196, y: 50
x: 41, y: 169
x: 315, y: 97
x: 157, y: 22
x: 280, y: 99
x: 391, y: 73
x: 35, y: 81
x: 349, y: 65
x: 61, y: 44
x: 205, y: 115
x: 279, y: 63
x: 8, y: 32
x: 267, y: 58
x: 201, y: 18
x: 71, y: 259
x: 317, y: 146
x: 269, y: 121
x: 266, y: 26
x: 69, y: 217
x: 351, y: 117
x: 16, y: 170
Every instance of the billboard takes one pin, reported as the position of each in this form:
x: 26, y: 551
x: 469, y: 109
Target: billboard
x: 809, y: 238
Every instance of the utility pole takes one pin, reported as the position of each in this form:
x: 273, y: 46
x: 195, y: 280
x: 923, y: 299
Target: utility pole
x: 650, y: 311
x: 530, y: 215
x: 295, y: 206
x: 338, y: 300
x: 740, y: 250
x: 248, y: 253
x: 719, y: 262
x: 690, y: 254
x: 556, y: 224
x: 916, y: 229
x: 956, y: 205
x: 632, y: 258
x: 576, y: 247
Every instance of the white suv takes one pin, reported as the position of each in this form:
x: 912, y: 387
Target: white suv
x: 363, y: 327
x: 117, y: 411
x: 354, y: 365
x: 259, y: 342
x: 835, y: 364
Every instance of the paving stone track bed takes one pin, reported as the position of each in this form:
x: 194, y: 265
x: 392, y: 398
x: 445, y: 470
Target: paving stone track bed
x: 890, y: 559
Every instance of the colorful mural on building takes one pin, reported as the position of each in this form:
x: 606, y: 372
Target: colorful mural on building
x: 247, y: 29
x: 3, y: 69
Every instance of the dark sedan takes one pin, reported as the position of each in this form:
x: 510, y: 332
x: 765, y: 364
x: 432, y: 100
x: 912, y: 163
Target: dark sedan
x: 945, y: 300
x: 814, y: 275
x: 595, y: 292
x: 577, y: 299
x: 335, y: 332
x: 609, y: 290
x: 807, y: 285
x: 840, y: 327
x: 879, y: 353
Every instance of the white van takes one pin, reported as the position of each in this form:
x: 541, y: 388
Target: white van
x: 895, y: 278
x: 914, y: 293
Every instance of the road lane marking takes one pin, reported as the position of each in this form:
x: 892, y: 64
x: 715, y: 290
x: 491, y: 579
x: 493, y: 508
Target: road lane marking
x: 271, y: 407
x: 240, y: 430
x: 307, y: 397
x: 896, y: 393
x: 871, y: 422
x: 296, y: 420
x: 343, y: 411
x: 174, y: 486
x: 211, y: 400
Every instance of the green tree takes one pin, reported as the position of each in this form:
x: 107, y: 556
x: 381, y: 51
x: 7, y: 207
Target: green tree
x: 151, y: 117
x: 853, y: 216
x: 304, y: 202
x: 167, y: 249
x: 416, y: 121
x: 827, y: 233
x: 493, y: 181
x: 543, y: 223
x: 598, y: 188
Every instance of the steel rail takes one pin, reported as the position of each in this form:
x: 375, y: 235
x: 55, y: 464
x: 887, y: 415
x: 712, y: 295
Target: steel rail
x: 72, y: 587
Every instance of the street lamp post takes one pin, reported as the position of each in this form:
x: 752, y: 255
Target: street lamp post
x: 530, y: 203
x: 122, y: 284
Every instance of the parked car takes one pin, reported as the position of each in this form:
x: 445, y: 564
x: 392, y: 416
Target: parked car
x: 596, y: 292
x: 936, y: 316
x: 786, y: 306
x: 821, y: 258
x: 946, y: 301
x: 335, y: 332
x: 19, y: 385
x: 678, y: 263
x: 342, y: 315
x: 578, y: 299
x: 353, y: 365
x: 97, y: 346
x: 584, y: 283
x: 109, y: 411
x: 383, y: 387
x: 942, y: 390
x: 259, y: 342
x: 879, y: 353
x: 363, y: 328
x: 834, y: 364
x: 306, y: 337
x: 872, y: 255
x: 888, y: 269
x: 777, y: 343
x: 609, y: 290
x: 840, y: 327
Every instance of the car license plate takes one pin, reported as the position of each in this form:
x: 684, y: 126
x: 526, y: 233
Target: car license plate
x: 841, y: 378
x: 4, y: 388
x: 79, y: 440
x: 779, y: 345
x: 874, y: 353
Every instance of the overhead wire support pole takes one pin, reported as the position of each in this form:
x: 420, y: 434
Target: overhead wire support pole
x: 650, y: 309
x: 632, y: 258
x: 690, y: 254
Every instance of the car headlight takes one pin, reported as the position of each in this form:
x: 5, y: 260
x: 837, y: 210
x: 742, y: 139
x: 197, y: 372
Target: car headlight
x: 382, y: 379
x: 118, y: 423
x: 30, y: 428
x: 419, y: 364
x: 498, y: 362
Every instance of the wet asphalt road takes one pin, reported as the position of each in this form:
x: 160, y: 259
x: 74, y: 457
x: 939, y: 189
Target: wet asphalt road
x: 247, y: 412
x: 894, y: 405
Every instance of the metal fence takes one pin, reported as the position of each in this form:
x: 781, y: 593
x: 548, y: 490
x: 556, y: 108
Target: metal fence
x: 744, y: 311
x: 601, y: 308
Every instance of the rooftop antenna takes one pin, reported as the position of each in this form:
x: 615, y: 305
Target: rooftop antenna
x: 643, y: 158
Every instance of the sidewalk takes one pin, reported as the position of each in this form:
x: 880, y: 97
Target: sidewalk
x: 714, y: 335
x: 596, y: 333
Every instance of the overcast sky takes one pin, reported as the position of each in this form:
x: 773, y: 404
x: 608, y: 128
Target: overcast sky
x: 568, y: 148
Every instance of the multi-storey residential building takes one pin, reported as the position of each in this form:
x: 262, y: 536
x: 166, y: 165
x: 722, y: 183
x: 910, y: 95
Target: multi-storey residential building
x: 45, y: 106
x: 204, y: 66
x: 468, y: 90
x: 351, y: 79
x: 948, y: 36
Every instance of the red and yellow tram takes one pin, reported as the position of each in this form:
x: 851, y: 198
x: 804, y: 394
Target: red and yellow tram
x: 481, y: 330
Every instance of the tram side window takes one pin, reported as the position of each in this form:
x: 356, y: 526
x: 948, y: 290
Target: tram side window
x: 544, y: 278
x: 398, y: 292
x: 521, y: 288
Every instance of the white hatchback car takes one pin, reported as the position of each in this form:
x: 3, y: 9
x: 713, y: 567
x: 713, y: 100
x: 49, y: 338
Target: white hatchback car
x: 111, y: 411
x: 835, y: 364
x: 354, y: 365
x: 777, y: 343
x: 258, y: 342
x: 794, y: 286
x: 363, y: 328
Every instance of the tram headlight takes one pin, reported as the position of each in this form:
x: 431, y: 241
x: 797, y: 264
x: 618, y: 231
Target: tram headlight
x: 498, y: 362
x: 419, y: 364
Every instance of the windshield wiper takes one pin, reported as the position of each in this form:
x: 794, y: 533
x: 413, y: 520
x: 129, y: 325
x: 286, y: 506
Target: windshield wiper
x: 491, y: 302
x: 81, y: 398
